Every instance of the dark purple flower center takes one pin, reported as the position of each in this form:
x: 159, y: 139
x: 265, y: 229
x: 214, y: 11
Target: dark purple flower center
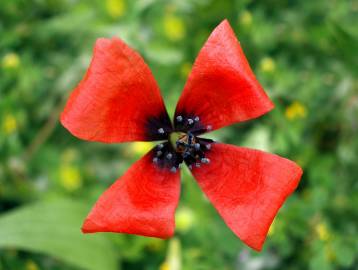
x: 183, y: 144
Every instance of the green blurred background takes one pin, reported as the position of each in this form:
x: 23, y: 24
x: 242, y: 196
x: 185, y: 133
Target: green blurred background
x: 303, y: 52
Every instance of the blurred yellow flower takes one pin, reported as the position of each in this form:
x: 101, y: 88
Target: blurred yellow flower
x: 246, y: 18
x: 322, y: 232
x: 70, y: 177
x: 295, y: 110
x: 164, y: 266
x: 174, y: 27
x: 173, y: 259
x: 267, y: 65
x: 115, y: 8
x: 9, y: 124
x: 184, y: 219
x: 11, y: 61
x: 141, y: 148
x: 31, y: 265
x: 185, y: 69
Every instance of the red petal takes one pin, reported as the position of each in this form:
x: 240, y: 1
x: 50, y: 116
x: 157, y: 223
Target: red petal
x: 222, y: 88
x: 142, y: 201
x: 118, y: 99
x: 247, y: 187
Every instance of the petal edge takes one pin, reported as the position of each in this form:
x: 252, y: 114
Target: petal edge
x: 247, y: 187
x: 222, y: 89
x: 118, y: 99
x: 142, y: 202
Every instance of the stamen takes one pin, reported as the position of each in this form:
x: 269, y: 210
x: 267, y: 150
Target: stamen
x: 190, y: 138
x: 160, y: 146
x: 173, y: 170
x: 161, y: 131
x: 196, y: 118
x: 159, y: 153
x: 190, y: 121
x: 187, y: 148
x: 179, y: 118
x: 197, y: 146
x: 205, y: 160
x: 155, y: 160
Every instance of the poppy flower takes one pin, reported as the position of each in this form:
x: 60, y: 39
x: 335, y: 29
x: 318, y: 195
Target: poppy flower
x: 118, y: 100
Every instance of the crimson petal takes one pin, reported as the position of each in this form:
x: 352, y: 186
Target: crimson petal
x: 142, y: 201
x: 118, y: 100
x: 247, y: 187
x: 222, y: 88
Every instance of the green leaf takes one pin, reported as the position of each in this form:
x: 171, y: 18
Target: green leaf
x: 53, y: 228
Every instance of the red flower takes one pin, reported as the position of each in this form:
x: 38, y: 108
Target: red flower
x: 118, y: 100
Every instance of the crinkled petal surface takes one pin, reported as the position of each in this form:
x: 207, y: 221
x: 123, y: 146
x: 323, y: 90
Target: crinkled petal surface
x: 222, y: 88
x: 142, y: 201
x: 247, y: 187
x: 118, y: 100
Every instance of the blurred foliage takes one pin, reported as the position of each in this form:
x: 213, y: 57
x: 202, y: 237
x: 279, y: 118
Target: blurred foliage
x: 303, y: 52
x: 32, y: 228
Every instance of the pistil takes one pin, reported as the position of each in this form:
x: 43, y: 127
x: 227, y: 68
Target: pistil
x: 183, y: 145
